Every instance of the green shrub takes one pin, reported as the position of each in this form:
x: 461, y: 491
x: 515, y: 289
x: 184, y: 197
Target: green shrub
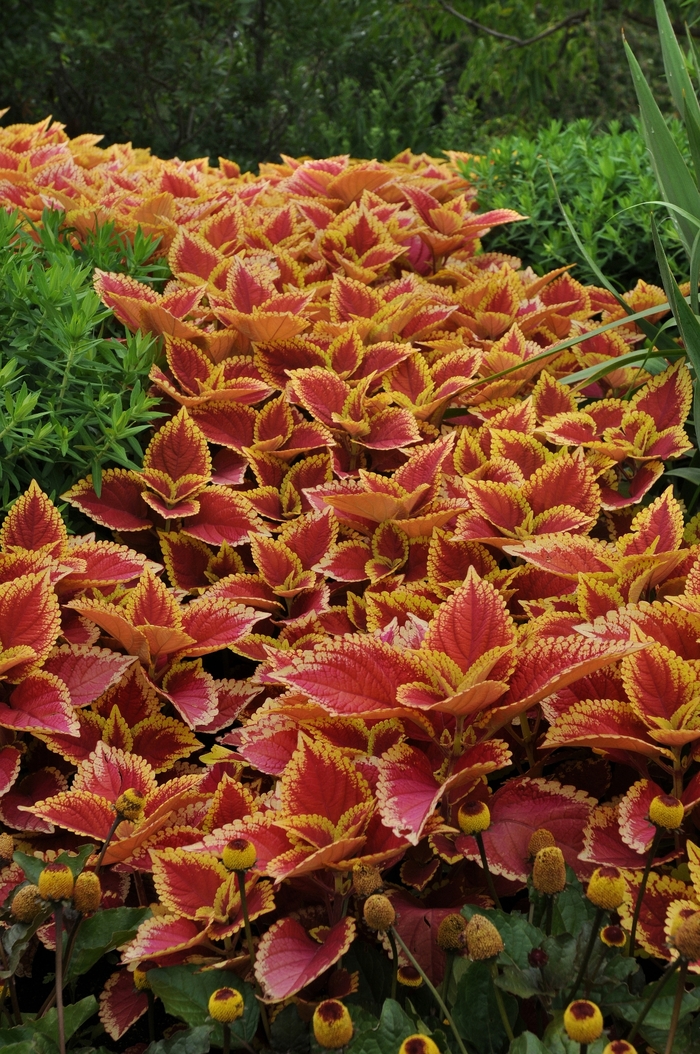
x: 602, y: 180
x: 73, y: 398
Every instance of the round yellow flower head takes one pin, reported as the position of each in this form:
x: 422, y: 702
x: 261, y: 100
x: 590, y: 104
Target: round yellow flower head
x: 620, y: 1046
x: 226, y: 1005
x: 26, y: 904
x: 687, y: 937
x: 129, y: 805
x: 379, y: 912
x: 451, y: 933
x: 332, y: 1024
x: 483, y: 939
x: 56, y: 882
x: 87, y: 892
x: 365, y: 879
x: 607, y: 888
x: 473, y: 817
x: 140, y: 979
x: 666, y: 811
x: 583, y: 1021
x: 7, y: 847
x: 419, y: 1045
x: 239, y: 855
x: 613, y: 936
x: 549, y: 870
x: 409, y: 976
x: 540, y: 839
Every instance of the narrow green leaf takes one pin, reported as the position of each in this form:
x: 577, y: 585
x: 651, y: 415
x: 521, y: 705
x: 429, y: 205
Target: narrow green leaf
x: 675, y: 181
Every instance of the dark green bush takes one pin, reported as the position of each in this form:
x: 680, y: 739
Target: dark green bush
x: 603, y: 181
x: 249, y: 79
x: 73, y: 398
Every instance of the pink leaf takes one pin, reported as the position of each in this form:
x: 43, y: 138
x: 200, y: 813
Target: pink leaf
x: 288, y: 959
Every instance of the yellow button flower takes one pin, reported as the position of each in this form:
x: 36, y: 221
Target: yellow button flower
x: 226, y: 1005
x: 474, y: 817
x: 56, y: 882
x: 332, y: 1024
x: 583, y: 1021
x: 607, y: 888
x: 666, y: 811
x: 239, y: 855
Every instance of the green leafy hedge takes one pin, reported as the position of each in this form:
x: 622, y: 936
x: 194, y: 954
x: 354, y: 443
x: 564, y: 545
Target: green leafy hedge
x: 72, y: 385
x: 603, y: 181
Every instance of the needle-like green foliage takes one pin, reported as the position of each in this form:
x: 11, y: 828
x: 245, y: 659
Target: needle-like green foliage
x: 72, y: 385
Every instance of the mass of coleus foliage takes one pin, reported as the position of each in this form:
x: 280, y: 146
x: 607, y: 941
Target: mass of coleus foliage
x: 383, y: 565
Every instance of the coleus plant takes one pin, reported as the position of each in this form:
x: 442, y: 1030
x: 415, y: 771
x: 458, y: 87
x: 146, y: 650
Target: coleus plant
x: 381, y: 571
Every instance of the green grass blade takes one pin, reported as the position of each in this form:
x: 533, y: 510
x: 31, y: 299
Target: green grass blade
x: 688, y: 324
x: 673, y: 176
x: 679, y: 82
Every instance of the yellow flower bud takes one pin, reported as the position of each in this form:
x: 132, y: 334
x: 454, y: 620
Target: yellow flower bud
x: 366, y: 879
x: 140, y: 979
x: 549, y: 870
x: 129, y: 805
x: 451, y: 933
x: 687, y: 937
x: 607, y: 888
x: 56, y: 882
x: 483, y: 939
x: 583, y: 1021
x: 613, y: 936
x: 620, y: 1046
x: 666, y: 811
x: 26, y: 904
x: 540, y: 839
x: 332, y: 1024
x: 379, y: 912
x: 87, y: 892
x: 474, y: 817
x: 419, y: 1045
x: 226, y: 1005
x: 409, y: 976
x: 7, y: 847
x: 239, y: 855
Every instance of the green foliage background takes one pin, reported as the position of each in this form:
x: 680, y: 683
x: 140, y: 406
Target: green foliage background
x: 73, y: 396
x: 249, y: 79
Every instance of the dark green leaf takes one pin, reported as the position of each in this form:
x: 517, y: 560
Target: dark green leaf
x: 185, y: 992
x: 105, y: 930
x: 476, y: 1013
x: 189, y: 1041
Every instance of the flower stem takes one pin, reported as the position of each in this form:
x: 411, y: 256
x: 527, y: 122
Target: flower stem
x: 395, y: 962
x: 240, y: 878
x: 227, y: 1038
x: 670, y: 969
x: 500, y: 1004
x: 115, y: 823
x: 151, y: 1017
x: 680, y: 991
x: 58, y: 919
x: 586, y: 958
x: 449, y: 964
x: 431, y: 987
x: 548, y: 913
x: 485, y: 865
x: 629, y: 950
